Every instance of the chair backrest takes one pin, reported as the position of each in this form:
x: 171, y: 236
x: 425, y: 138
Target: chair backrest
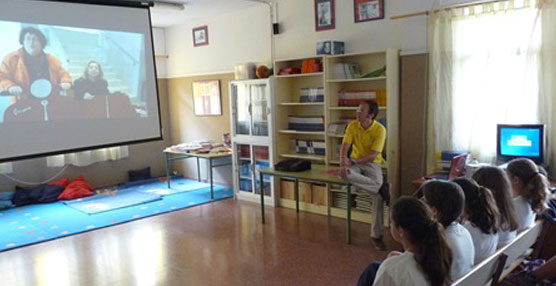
x: 503, y: 261
x: 520, y: 247
x: 484, y: 273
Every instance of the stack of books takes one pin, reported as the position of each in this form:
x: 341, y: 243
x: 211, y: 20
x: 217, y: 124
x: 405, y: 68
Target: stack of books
x: 355, y: 97
x: 339, y: 127
x: 317, y: 147
x: 345, y: 71
x: 306, y: 123
x: 315, y: 94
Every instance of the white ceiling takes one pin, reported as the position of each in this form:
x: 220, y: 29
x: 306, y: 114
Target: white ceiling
x: 197, y: 9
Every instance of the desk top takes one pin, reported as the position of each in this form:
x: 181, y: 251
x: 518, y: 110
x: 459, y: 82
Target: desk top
x: 200, y: 155
x: 317, y: 173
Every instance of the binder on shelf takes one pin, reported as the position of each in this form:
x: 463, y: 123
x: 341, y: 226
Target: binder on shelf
x: 317, y: 147
x: 312, y: 94
x: 306, y: 123
x: 355, y: 97
x: 345, y: 71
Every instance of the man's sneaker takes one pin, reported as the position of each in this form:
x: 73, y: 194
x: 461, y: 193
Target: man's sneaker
x: 379, y: 244
x: 384, y: 192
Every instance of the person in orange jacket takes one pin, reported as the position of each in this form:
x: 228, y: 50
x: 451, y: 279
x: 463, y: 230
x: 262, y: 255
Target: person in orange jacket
x: 21, y: 68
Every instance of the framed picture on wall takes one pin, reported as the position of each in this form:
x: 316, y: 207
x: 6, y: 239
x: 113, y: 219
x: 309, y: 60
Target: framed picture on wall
x: 206, y: 98
x: 368, y: 10
x: 200, y: 36
x: 324, y: 15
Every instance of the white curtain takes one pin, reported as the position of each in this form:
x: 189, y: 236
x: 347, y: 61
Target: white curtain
x: 548, y: 80
x: 87, y: 158
x: 490, y: 64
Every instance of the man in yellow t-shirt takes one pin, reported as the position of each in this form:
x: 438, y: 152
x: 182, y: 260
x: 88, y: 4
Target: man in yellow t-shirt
x: 362, y: 169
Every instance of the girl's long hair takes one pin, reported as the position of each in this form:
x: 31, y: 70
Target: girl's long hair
x: 480, y: 206
x: 496, y: 180
x: 535, y: 184
x: 433, y: 256
x: 86, y: 71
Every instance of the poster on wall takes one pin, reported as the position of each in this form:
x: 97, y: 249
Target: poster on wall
x: 206, y: 98
x: 324, y: 15
x: 368, y: 10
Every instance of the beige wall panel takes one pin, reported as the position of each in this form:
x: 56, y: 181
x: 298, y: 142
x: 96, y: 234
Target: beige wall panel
x: 413, y: 81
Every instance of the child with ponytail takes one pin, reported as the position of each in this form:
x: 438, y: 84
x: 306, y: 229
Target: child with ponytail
x: 427, y: 257
x: 496, y: 180
x: 446, y: 200
x: 480, y: 217
x: 530, y: 189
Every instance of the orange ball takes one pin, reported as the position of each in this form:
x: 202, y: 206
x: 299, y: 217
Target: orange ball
x: 263, y: 71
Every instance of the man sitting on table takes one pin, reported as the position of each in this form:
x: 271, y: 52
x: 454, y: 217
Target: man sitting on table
x: 366, y: 136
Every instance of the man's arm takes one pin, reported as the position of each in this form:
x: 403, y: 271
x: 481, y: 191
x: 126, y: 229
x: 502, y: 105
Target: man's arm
x: 344, y: 160
x: 366, y: 159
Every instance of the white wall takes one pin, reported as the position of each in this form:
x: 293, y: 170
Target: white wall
x: 244, y: 36
x: 234, y: 38
x: 298, y: 36
x: 159, y: 41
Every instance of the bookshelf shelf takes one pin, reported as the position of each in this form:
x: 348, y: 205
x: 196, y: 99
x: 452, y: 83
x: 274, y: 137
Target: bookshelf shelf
x: 304, y: 156
x: 302, y: 103
x: 299, y: 75
x: 335, y: 135
x: 351, y: 108
x: 319, y: 133
x: 380, y: 78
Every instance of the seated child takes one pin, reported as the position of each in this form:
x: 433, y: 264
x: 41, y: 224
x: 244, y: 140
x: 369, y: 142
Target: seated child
x: 480, y: 217
x: 446, y: 200
x: 427, y: 256
x: 530, y: 189
x: 496, y: 180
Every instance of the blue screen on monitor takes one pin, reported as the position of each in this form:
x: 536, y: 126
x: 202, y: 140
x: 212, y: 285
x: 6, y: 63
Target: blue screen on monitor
x: 522, y: 142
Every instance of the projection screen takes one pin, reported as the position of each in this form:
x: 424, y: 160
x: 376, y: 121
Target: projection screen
x: 75, y: 77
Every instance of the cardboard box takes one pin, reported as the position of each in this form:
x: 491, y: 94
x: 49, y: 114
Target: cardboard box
x: 287, y: 189
x: 305, y: 192
x: 319, y: 194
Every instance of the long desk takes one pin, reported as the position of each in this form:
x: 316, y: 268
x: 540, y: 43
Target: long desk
x: 174, y: 156
x: 318, y: 174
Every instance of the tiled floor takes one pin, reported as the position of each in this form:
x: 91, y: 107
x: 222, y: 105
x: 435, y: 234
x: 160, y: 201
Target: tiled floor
x: 222, y: 243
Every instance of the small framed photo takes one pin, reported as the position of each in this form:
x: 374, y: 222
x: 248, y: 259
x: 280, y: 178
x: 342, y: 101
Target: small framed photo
x: 324, y: 15
x: 368, y: 10
x: 206, y: 98
x: 200, y: 36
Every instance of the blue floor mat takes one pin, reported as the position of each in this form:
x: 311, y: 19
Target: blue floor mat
x: 177, y: 185
x: 36, y: 223
x: 106, y: 202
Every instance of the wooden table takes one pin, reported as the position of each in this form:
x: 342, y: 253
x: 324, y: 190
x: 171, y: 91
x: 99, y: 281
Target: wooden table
x: 174, y: 156
x: 317, y: 174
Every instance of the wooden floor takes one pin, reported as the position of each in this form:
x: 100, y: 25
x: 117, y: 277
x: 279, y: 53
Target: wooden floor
x: 223, y: 243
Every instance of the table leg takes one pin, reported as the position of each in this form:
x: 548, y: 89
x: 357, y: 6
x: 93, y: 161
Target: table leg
x: 348, y: 230
x: 296, y: 195
x: 211, y: 186
x: 262, y: 195
x: 167, y: 170
x: 198, y: 170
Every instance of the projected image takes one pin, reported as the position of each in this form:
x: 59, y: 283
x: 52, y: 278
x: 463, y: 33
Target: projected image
x: 520, y: 142
x: 59, y: 73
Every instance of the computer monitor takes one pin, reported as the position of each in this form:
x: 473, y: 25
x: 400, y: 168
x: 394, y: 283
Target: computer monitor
x: 521, y: 141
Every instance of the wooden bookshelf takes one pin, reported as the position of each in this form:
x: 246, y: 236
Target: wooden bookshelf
x: 287, y: 103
